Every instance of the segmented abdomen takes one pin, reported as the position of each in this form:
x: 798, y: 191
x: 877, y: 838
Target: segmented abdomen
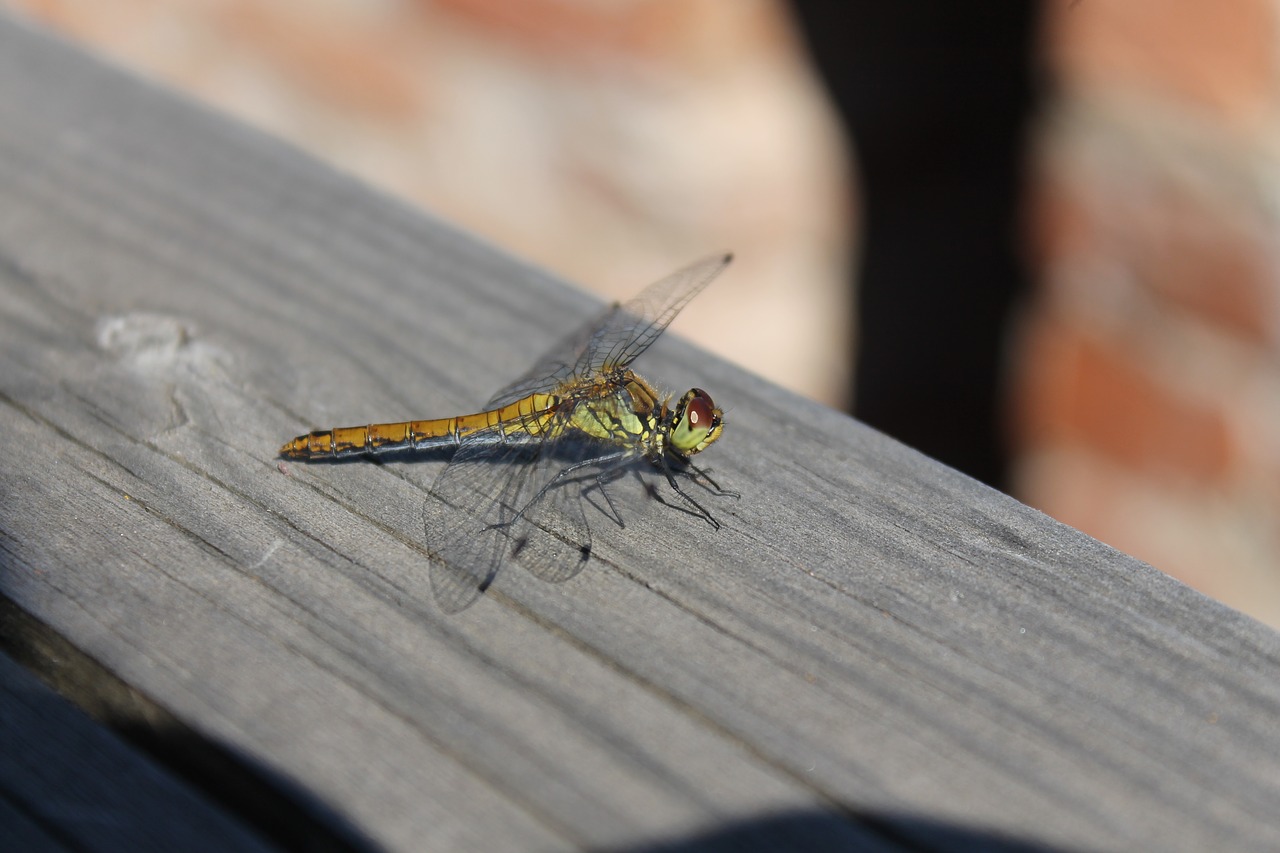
x: 522, y: 420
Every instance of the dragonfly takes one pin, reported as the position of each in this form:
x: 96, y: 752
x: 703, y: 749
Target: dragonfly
x: 544, y: 448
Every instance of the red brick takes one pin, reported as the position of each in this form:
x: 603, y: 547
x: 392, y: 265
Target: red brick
x: 1209, y: 265
x: 351, y: 63
x: 1082, y: 389
x: 1221, y: 55
x: 1062, y: 226
x: 1208, y: 255
x: 681, y: 32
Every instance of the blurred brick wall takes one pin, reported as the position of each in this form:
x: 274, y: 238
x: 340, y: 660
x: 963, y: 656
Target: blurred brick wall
x: 611, y: 142
x: 1148, y: 374
x: 608, y: 142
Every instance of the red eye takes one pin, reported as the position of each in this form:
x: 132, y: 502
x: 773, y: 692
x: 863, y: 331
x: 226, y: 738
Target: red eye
x: 699, y: 424
x: 698, y: 414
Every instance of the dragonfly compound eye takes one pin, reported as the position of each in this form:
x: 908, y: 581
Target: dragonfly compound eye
x: 698, y: 423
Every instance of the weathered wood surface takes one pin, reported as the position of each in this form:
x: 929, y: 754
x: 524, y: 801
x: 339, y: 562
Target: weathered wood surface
x: 873, y: 650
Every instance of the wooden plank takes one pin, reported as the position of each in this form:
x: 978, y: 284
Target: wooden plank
x: 874, y: 649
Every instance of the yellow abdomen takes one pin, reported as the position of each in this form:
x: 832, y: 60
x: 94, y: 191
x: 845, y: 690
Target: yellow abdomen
x: 524, y: 418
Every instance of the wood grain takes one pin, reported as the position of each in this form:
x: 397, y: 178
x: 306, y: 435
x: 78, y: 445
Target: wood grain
x: 874, y: 649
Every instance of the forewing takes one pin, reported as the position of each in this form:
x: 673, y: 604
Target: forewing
x: 556, y: 367
x: 627, y: 332
x: 616, y: 337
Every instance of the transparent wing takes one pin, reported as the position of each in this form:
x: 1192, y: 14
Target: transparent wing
x: 466, y: 531
x: 556, y: 367
x: 504, y: 503
x: 625, y: 333
x: 527, y: 501
x: 619, y: 335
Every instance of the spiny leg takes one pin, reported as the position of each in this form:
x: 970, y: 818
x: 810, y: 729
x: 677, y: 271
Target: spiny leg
x: 616, y: 459
x: 555, y: 541
x: 613, y: 472
x: 698, y: 509
x: 716, y: 489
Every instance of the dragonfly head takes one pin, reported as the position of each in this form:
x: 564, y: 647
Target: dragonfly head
x: 695, y: 423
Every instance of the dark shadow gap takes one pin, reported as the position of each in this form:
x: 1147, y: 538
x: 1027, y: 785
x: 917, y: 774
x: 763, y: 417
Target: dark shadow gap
x: 291, y: 820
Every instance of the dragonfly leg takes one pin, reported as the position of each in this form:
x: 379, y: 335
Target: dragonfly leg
x: 716, y: 488
x: 602, y: 479
x: 697, y: 508
x: 613, y: 460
